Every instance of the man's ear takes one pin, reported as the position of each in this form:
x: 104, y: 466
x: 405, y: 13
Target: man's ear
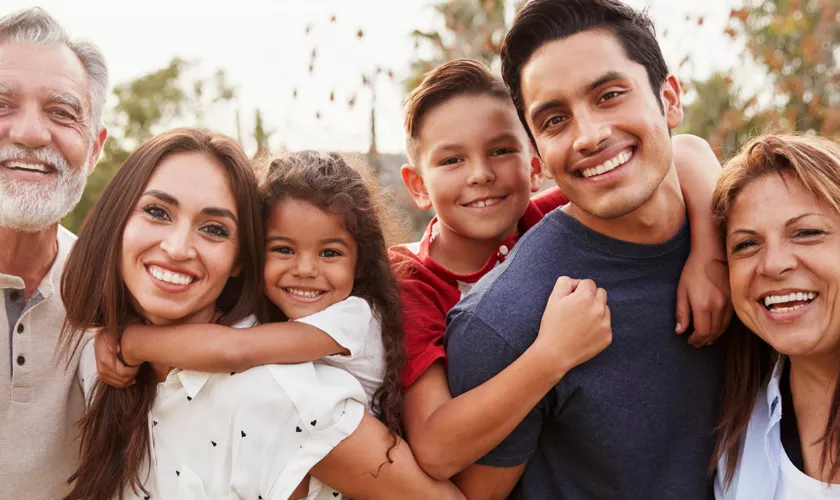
x: 672, y: 102
x: 537, y: 175
x: 413, y: 182
x: 96, y: 151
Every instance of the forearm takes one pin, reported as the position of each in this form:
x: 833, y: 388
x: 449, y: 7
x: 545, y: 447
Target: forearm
x: 698, y: 170
x: 359, y: 468
x: 464, y: 429
x: 217, y: 348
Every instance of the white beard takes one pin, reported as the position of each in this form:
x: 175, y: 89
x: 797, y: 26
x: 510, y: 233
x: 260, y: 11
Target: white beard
x: 34, y: 206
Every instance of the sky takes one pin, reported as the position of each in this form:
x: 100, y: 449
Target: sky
x: 263, y: 47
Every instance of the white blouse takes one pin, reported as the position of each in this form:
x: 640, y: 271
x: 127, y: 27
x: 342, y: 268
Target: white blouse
x: 353, y: 326
x: 251, y: 435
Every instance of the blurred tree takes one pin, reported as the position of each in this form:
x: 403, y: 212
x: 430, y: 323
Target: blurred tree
x: 261, y: 136
x: 471, y: 28
x: 143, y: 107
x: 795, y: 44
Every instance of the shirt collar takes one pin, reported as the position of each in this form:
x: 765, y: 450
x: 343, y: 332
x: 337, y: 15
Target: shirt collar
x: 774, y: 393
x: 191, y: 381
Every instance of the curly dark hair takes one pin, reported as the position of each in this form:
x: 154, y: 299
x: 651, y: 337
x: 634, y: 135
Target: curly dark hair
x: 332, y: 183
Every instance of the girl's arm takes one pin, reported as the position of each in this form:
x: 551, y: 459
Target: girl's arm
x: 703, y: 292
x: 359, y: 468
x: 447, y: 435
x: 217, y: 348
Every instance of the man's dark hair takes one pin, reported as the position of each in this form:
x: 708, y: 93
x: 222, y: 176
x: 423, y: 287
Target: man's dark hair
x: 543, y: 21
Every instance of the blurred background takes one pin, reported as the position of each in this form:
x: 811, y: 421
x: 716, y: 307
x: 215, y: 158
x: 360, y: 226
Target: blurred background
x: 332, y: 74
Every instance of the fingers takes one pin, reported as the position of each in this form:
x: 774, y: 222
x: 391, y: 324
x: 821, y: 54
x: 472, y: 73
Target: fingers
x: 683, y: 309
x: 564, y: 286
x: 586, y: 288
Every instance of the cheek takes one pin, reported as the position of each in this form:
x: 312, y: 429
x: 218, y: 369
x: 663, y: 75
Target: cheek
x: 740, y: 281
x: 220, y: 261
x: 73, y: 145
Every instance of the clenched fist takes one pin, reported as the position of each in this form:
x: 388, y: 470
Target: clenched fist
x: 576, y: 323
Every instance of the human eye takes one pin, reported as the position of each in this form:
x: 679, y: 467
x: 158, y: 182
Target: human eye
x: 609, y: 96
x: 808, y: 233
x: 217, y: 231
x: 282, y: 249
x: 62, y: 114
x: 453, y: 160
x: 502, y: 151
x: 554, y: 121
x: 156, y: 212
x: 330, y: 253
x: 743, y: 246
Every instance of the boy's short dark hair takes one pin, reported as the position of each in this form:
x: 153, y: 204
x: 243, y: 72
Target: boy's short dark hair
x: 451, y: 79
x: 543, y: 21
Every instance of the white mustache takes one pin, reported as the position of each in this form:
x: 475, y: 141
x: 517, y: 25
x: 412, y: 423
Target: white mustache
x: 44, y: 155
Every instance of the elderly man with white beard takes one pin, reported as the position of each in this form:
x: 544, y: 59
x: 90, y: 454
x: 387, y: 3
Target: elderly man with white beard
x: 52, y: 92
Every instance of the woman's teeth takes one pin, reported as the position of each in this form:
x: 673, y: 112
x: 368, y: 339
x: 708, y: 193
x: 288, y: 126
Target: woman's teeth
x: 789, y: 302
x: 169, y: 276
x: 617, y: 160
x: 304, y: 293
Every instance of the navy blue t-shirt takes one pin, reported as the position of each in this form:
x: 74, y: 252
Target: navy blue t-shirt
x: 637, y: 420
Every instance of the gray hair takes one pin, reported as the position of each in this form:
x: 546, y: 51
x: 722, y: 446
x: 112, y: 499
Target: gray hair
x: 36, y: 26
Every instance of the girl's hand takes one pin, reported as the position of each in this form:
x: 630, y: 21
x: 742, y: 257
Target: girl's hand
x: 110, y: 368
x: 703, y: 295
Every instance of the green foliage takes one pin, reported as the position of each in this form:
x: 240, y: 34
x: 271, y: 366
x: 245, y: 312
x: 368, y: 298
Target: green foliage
x: 145, y: 106
x: 795, y: 44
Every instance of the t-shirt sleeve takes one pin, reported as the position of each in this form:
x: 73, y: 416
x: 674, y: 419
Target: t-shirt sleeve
x: 550, y: 199
x: 477, y: 353
x: 347, y: 322
x: 424, y: 323
x: 293, y: 427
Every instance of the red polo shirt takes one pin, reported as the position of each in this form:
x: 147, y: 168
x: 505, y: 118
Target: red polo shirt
x: 429, y: 290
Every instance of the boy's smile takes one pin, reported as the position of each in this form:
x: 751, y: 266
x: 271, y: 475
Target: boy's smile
x: 474, y: 168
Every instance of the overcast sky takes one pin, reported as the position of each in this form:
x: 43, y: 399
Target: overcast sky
x: 263, y: 47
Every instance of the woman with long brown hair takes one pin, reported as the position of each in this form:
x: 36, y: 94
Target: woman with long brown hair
x: 177, y: 238
x: 778, y: 204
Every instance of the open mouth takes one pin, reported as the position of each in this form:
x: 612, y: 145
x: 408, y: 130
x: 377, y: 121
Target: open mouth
x: 485, y: 202
x: 788, y: 303
x: 168, y: 276
x: 28, y: 167
x: 305, y: 293
x: 609, y: 165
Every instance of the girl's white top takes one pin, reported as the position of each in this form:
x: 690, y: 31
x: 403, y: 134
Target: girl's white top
x: 251, y: 435
x: 764, y: 470
x: 352, y: 324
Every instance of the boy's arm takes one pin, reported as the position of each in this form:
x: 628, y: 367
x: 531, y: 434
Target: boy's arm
x: 500, y: 388
x: 703, y: 292
x: 218, y: 348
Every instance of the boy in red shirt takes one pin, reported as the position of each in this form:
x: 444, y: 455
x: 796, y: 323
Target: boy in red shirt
x: 472, y: 161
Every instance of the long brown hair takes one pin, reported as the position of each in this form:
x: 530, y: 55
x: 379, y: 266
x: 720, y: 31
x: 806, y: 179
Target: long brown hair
x: 115, y: 435
x: 329, y: 182
x: 815, y: 163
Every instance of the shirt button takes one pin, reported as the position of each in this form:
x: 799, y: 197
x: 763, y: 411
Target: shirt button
x: 20, y: 328
x: 14, y: 295
x: 21, y: 360
x: 504, y: 250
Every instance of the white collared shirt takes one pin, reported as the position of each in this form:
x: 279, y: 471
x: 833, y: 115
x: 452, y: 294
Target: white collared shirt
x: 352, y: 324
x: 764, y: 470
x: 248, y: 435
x: 41, y: 393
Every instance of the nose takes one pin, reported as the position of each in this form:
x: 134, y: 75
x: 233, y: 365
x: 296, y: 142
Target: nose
x: 481, y: 172
x: 28, y: 128
x: 178, y: 244
x: 590, y: 133
x: 777, y: 261
x: 305, y: 266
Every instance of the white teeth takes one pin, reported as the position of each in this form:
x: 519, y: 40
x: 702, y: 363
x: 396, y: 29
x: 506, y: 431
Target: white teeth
x: 791, y: 297
x: 619, y: 159
x: 36, y: 167
x: 304, y: 293
x: 484, y: 203
x: 169, y: 276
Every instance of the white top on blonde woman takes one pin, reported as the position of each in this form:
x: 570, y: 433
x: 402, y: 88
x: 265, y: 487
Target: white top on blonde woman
x: 352, y: 324
x: 249, y: 435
